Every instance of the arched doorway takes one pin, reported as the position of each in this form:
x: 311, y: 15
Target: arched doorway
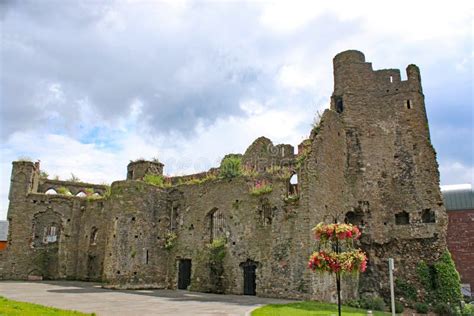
x: 249, y: 268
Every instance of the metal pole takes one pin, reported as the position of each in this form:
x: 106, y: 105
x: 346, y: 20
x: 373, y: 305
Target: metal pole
x: 392, y: 290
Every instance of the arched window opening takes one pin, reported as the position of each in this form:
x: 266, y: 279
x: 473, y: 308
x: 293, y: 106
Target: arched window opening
x: 94, y: 234
x: 51, y: 191
x: 402, y: 218
x: 96, y: 194
x: 428, y: 216
x: 50, y: 234
x: 293, y: 185
x: 217, y: 224
x: 81, y: 194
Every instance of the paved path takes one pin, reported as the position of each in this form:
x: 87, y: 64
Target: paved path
x: 90, y: 297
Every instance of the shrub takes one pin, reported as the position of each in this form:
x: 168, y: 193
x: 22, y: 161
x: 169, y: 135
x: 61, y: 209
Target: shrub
x: 447, y: 282
x: 421, y: 308
x: 154, y: 179
x: 261, y: 187
x: 170, y: 238
x: 64, y: 190
x: 468, y: 310
x: 405, y: 289
x: 231, y: 167
x: 399, y: 307
x: 444, y: 309
x: 353, y: 303
x: 44, y: 174
x: 373, y: 303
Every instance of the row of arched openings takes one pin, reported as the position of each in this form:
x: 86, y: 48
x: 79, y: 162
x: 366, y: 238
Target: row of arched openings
x: 52, y: 191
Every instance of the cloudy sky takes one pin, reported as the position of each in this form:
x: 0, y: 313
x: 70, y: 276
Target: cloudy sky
x: 87, y: 86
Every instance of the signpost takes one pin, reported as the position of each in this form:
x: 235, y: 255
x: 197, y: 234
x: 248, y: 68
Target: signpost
x: 392, y: 291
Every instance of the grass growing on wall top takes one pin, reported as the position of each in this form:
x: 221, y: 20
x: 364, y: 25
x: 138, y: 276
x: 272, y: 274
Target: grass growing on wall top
x: 9, y: 307
x: 310, y: 308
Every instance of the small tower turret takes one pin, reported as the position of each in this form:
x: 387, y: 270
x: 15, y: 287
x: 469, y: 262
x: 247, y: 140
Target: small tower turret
x: 136, y: 170
x: 24, y: 179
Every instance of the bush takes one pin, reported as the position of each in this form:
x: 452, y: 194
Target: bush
x: 444, y: 309
x: 405, y: 289
x: 468, y: 310
x: 64, y: 191
x: 154, y: 179
x: 353, y: 303
x: 399, y: 307
x: 421, y: 308
x: 231, y: 167
x: 372, y: 303
x: 447, y: 282
x: 261, y: 187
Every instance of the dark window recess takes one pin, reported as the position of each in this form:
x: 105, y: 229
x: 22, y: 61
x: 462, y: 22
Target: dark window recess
x: 339, y: 105
x: 355, y: 218
x: 184, y: 274
x: 402, y: 218
x: 408, y: 104
x: 428, y: 216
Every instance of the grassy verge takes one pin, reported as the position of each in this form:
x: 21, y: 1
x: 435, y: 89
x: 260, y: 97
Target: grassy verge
x: 9, y: 307
x: 310, y: 308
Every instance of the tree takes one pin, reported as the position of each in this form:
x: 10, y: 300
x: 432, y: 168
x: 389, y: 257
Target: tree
x: 336, y: 253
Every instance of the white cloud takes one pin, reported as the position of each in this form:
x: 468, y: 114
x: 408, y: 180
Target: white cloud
x: 454, y: 172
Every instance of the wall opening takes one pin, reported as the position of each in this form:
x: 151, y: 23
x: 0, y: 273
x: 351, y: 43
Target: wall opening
x: 184, y: 274
x: 402, y: 218
x: 51, y: 191
x: 81, y: 194
x: 293, y: 185
x: 391, y: 79
x: 93, y: 238
x: 217, y: 224
x: 355, y: 218
x: 408, y: 104
x: 50, y: 234
x: 173, y: 217
x: 250, y: 277
x: 339, y: 105
x: 428, y: 216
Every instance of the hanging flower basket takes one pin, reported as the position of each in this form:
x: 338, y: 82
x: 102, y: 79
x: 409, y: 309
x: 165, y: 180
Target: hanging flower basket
x: 331, y: 232
x: 348, y: 261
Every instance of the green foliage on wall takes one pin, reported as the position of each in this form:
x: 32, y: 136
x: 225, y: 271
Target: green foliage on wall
x: 64, y: 190
x: 441, y: 283
x: 231, y: 167
x: 154, y: 179
x: 447, y: 281
x: 170, y: 239
x: 405, y: 289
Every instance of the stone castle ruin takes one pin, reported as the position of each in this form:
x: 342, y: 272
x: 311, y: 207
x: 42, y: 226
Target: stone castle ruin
x: 369, y: 162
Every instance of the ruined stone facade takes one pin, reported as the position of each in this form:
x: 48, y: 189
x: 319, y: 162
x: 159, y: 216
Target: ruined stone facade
x: 369, y: 161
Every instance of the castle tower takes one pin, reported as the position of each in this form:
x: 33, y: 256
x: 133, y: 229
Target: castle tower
x: 24, y: 179
x: 136, y: 170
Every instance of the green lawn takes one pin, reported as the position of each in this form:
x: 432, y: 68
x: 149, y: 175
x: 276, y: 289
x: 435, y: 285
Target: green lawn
x: 309, y: 308
x: 9, y: 307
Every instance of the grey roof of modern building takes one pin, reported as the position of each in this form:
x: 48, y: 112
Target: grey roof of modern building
x: 3, y: 230
x: 460, y: 199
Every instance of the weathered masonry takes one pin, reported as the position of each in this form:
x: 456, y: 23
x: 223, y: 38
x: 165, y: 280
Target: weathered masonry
x: 369, y: 161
